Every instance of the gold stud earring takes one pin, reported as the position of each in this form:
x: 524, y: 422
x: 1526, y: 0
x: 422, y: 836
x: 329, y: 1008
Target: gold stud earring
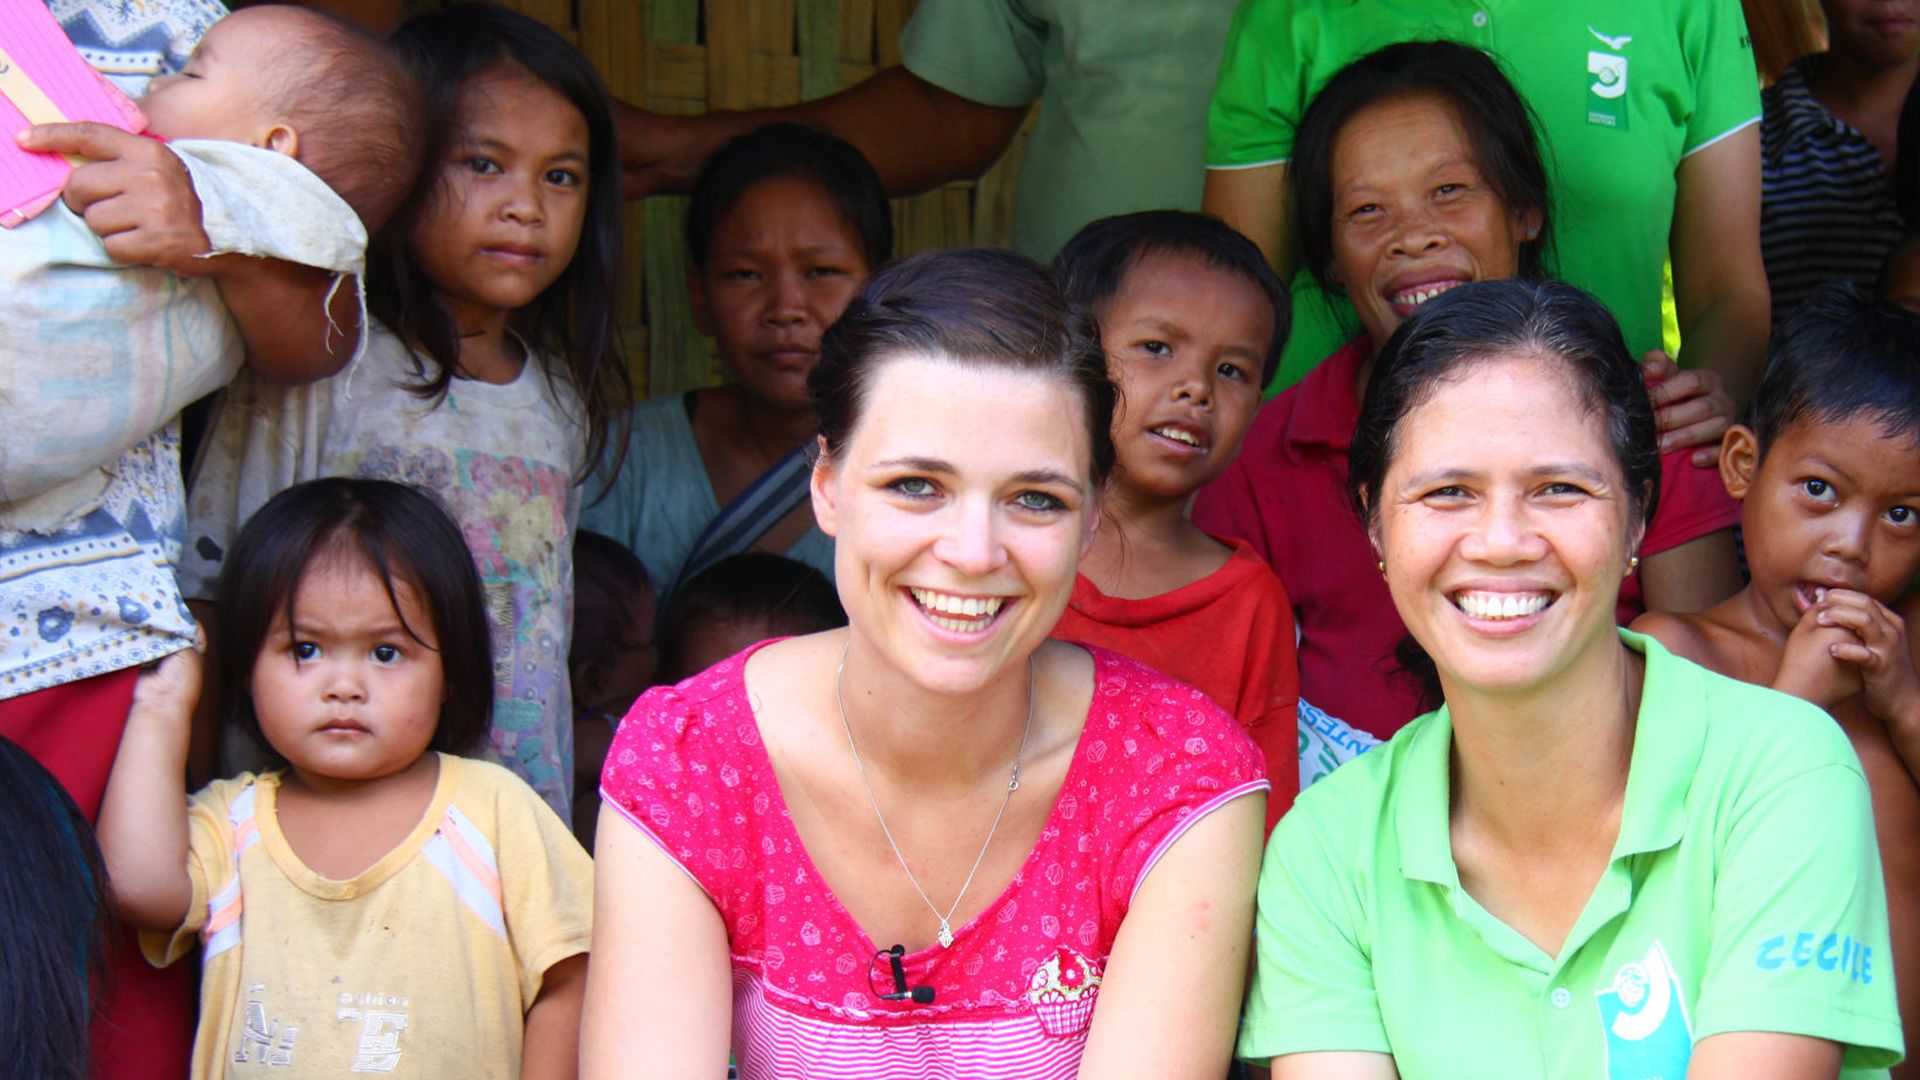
x: 1633, y: 563
x: 1382, y: 564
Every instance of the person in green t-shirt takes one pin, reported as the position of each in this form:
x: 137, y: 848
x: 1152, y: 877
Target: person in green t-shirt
x: 1649, y: 112
x: 1595, y: 859
x: 1122, y: 87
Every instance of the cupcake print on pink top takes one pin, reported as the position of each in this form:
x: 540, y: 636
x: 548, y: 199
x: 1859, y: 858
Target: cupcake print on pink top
x: 1063, y: 990
x: 1015, y: 993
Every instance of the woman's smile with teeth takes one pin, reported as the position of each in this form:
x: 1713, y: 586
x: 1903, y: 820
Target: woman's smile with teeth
x: 1502, y: 605
x: 957, y: 613
x: 1180, y: 435
x: 1416, y: 296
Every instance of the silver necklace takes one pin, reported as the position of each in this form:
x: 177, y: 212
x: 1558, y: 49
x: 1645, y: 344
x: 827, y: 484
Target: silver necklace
x: 1013, y: 784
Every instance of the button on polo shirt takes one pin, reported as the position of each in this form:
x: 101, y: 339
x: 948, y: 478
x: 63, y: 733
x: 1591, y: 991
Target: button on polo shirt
x: 1743, y: 894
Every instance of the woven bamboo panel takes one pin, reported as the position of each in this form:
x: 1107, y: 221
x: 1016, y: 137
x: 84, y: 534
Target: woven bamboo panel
x: 688, y: 56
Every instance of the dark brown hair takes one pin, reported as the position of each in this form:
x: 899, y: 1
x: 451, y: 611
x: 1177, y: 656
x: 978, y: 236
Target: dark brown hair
x: 976, y: 307
x: 402, y: 534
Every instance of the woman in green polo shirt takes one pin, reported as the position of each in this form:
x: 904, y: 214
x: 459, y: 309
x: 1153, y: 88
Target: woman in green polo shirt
x: 1595, y: 859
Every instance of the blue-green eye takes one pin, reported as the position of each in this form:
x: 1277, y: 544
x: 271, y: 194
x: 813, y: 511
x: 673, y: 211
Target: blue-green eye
x: 913, y: 487
x: 1038, y: 501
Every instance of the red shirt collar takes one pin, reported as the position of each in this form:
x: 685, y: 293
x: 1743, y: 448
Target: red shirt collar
x: 1326, y: 408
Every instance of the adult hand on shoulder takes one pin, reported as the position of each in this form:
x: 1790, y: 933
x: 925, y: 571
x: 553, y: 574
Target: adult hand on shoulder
x: 134, y: 194
x: 1877, y: 646
x: 1810, y: 667
x: 1690, y: 407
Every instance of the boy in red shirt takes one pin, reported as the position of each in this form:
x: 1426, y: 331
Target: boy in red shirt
x: 1192, y: 320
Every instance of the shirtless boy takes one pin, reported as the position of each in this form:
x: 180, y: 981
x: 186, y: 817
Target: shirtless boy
x: 1829, y: 479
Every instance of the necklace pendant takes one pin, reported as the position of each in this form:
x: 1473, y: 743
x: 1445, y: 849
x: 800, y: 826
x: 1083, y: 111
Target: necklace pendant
x: 945, y: 936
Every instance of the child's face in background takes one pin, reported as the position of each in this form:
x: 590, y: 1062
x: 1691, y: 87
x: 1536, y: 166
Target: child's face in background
x: 1833, y: 504
x: 222, y: 92
x: 347, y: 694
x: 1187, y: 345
x: 610, y: 682
x: 506, y: 218
x: 706, y: 642
x: 782, y: 266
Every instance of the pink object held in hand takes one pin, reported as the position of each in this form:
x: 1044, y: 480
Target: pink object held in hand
x: 44, y: 80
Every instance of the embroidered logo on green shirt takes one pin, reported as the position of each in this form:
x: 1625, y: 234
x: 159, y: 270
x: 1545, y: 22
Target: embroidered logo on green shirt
x: 1607, y: 92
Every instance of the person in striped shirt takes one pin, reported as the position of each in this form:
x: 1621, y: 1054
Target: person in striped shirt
x: 1828, y: 142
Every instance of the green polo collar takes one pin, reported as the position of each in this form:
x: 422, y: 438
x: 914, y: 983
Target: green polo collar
x: 1669, y: 735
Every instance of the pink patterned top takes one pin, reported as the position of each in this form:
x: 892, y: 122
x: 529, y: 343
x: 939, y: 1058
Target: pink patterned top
x: 1015, y: 994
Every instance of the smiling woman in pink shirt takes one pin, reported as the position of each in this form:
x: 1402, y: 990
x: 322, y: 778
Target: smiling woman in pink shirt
x: 934, y: 843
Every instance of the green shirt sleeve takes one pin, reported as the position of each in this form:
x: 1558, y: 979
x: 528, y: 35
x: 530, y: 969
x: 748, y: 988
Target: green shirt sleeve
x: 989, y: 51
x: 1714, y: 38
x: 1800, y: 918
x: 1313, y: 977
x: 1257, y: 102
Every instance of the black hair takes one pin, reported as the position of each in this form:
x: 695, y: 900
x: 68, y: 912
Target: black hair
x: 790, y: 151
x: 58, y: 926
x: 976, y: 307
x: 1906, y: 161
x: 606, y: 578
x: 1498, y: 124
x: 573, y: 321
x: 402, y: 534
x: 770, y: 591
x: 1842, y: 353
x: 1092, y: 266
x: 1489, y: 320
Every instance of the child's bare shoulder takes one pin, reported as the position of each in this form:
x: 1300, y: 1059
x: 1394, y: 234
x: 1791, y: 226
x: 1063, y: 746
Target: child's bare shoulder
x: 1716, y: 639
x: 1684, y: 634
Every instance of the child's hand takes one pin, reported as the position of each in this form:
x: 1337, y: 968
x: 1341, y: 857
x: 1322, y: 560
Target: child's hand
x: 1690, y: 408
x: 169, y: 689
x: 1877, y: 646
x: 1809, y: 666
x: 142, y: 826
x: 134, y: 194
